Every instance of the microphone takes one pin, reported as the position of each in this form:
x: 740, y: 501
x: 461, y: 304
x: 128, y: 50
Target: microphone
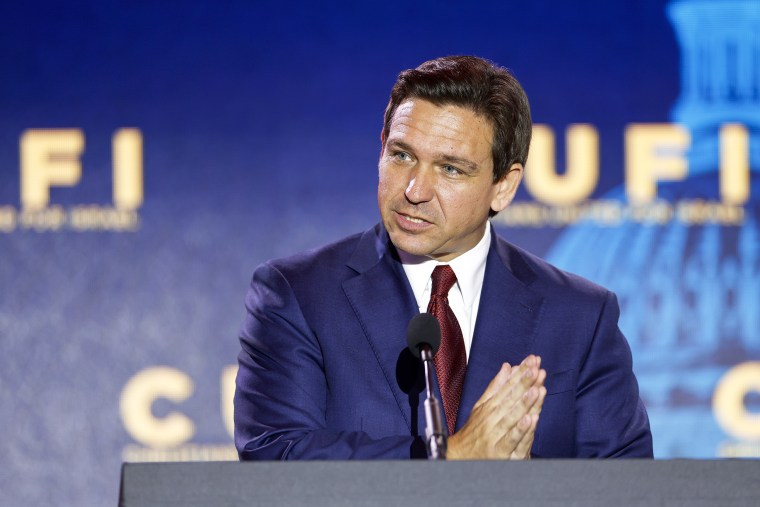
x: 423, y: 336
x: 423, y: 330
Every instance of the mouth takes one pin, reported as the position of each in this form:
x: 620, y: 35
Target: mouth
x: 412, y: 219
x: 410, y: 222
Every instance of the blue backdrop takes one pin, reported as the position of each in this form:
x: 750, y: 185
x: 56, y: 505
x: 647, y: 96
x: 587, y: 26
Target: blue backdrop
x: 153, y: 153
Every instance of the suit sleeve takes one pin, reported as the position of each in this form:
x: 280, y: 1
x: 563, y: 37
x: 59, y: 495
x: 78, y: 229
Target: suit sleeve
x: 611, y: 420
x: 281, y: 386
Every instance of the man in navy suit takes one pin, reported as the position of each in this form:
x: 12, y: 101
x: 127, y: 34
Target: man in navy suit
x: 324, y: 371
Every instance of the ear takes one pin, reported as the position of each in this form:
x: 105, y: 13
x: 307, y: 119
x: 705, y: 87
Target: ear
x: 506, y: 188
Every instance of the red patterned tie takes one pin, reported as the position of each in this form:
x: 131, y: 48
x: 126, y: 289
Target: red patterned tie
x: 451, y: 359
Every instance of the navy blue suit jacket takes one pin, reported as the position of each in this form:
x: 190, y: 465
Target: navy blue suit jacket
x: 324, y: 371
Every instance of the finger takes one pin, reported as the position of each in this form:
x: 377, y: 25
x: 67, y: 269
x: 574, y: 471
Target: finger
x: 495, y: 385
x: 534, y: 412
x: 509, y: 385
x: 508, y: 417
x: 532, y: 360
x: 532, y: 378
x: 502, y: 405
x: 522, y: 379
x: 539, y: 403
x: 517, y: 374
x: 516, y: 434
x: 526, y: 374
x: 522, y: 450
x: 540, y: 378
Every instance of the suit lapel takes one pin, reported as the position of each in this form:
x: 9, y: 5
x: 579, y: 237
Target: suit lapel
x: 506, y: 323
x: 384, y: 304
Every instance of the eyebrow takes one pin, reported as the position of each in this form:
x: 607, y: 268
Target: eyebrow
x: 467, y: 164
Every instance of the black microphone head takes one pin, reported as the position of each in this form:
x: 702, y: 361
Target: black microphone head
x: 423, y: 328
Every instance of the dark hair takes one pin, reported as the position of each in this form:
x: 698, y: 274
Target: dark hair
x: 484, y: 87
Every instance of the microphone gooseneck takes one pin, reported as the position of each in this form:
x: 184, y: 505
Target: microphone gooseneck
x: 423, y: 336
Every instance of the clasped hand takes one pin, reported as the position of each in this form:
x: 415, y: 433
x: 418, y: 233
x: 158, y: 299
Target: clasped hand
x: 503, y: 422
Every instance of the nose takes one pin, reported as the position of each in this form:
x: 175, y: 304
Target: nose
x: 421, y: 185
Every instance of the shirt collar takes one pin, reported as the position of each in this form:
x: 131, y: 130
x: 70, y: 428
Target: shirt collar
x: 469, y: 267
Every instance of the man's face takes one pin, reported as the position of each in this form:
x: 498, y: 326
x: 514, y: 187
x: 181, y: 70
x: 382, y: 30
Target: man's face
x: 436, y: 179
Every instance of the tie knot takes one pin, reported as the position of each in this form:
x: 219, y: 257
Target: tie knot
x: 443, y: 279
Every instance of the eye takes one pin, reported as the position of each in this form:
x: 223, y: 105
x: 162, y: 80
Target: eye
x: 402, y: 156
x: 451, y: 170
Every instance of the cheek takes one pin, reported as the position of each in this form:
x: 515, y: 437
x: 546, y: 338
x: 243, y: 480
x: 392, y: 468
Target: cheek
x: 460, y: 206
x: 454, y: 201
x: 387, y: 185
x: 382, y: 184
x: 384, y: 192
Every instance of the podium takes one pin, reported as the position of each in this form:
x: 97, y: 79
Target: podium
x: 586, y: 483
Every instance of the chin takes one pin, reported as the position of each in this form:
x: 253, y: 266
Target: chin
x: 403, y: 243
x: 413, y: 247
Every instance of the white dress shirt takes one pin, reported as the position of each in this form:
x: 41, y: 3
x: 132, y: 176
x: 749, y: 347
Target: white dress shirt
x: 464, y: 296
